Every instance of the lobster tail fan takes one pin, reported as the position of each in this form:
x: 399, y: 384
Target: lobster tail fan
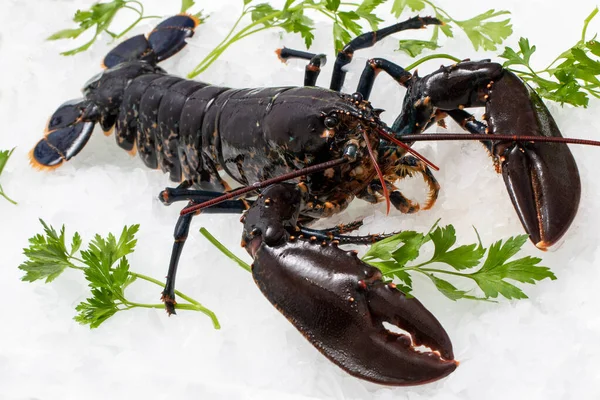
x: 164, y: 41
x: 67, y: 132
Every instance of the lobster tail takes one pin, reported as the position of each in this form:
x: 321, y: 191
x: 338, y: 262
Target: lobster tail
x: 67, y: 132
x: 163, y: 42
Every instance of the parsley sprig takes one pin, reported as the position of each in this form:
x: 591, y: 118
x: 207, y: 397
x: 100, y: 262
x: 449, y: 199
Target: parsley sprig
x: 4, y: 156
x: 292, y: 17
x: 570, y: 77
x: 483, y: 30
x: 105, y: 266
x: 393, y: 255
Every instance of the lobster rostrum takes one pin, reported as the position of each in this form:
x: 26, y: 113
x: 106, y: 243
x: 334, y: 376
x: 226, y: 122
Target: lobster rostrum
x: 301, y: 154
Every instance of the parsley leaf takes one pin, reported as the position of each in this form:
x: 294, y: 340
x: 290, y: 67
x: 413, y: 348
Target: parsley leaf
x: 99, y: 18
x: 399, y: 6
x: 415, y: 47
x: 572, y: 80
x: 483, y: 30
x: 486, y: 34
x: 4, y: 156
x: 105, y: 267
x: 186, y: 5
x: 47, y: 255
x: 392, y: 257
x: 294, y: 17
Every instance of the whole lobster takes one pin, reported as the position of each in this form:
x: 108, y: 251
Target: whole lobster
x: 305, y: 153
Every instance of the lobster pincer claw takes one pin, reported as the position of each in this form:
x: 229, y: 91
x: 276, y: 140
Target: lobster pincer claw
x: 544, y: 185
x: 339, y: 303
x: 542, y: 179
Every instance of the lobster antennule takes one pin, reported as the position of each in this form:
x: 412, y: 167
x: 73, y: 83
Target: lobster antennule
x: 168, y: 38
x: 67, y: 132
x: 387, y: 136
x: 386, y: 193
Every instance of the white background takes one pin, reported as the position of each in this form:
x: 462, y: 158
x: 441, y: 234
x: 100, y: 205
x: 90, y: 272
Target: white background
x: 545, y: 347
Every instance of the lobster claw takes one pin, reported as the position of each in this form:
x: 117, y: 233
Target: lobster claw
x: 543, y: 183
x: 542, y: 179
x: 339, y: 304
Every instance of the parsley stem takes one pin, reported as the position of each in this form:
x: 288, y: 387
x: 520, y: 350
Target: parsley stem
x: 443, y: 271
x: 586, y: 22
x: 194, y: 305
x: 432, y: 57
x: 6, y: 197
x: 224, y: 249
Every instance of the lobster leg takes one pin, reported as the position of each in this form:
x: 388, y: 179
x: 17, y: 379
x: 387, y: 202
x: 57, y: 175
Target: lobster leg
x: 372, y: 69
x: 182, y: 228
x: 340, y: 303
x: 326, y: 235
x: 313, y: 68
x: 404, y: 166
x: 368, y: 39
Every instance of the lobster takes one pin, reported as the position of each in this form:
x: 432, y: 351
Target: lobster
x: 304, y: 153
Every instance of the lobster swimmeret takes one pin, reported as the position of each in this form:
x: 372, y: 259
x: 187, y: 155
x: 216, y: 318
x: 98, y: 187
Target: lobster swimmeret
x: 329, y: 147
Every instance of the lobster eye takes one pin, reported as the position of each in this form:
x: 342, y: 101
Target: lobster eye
x: 332, y: 121
x: 357, y: 97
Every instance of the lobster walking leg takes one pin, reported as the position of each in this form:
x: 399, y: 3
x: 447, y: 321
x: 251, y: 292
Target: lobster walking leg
x: 325, y: 235
x: 372, y: 69
x: 182, y: 228
x: 368, y: 39
x: 338, y: 302
x: 313, y: 68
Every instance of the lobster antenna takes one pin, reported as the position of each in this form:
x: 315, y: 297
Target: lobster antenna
x: 265, y: 183
x: 493, y: 137
x: 392, y: 139
x: 386, y: 194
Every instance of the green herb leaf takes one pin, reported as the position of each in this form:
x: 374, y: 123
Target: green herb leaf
x: 66, y: 34
x: 299, y: 23
x: 462, y: 257
x: 449, y: 290
x: 492, y: 275
x: 575, y: 76
x: 340, y: 36
x: 399, y: 6
x: 48, y: 257
x: 393, y: 255
x: 186, y: 5
x: 415, y: 47
x: 486, y: 34
x: 4, y: 156
x: 365, y: 11
x: 332, y: 5
x: 97, y: 309
x: 99, y: 17
x: 261, y: 11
